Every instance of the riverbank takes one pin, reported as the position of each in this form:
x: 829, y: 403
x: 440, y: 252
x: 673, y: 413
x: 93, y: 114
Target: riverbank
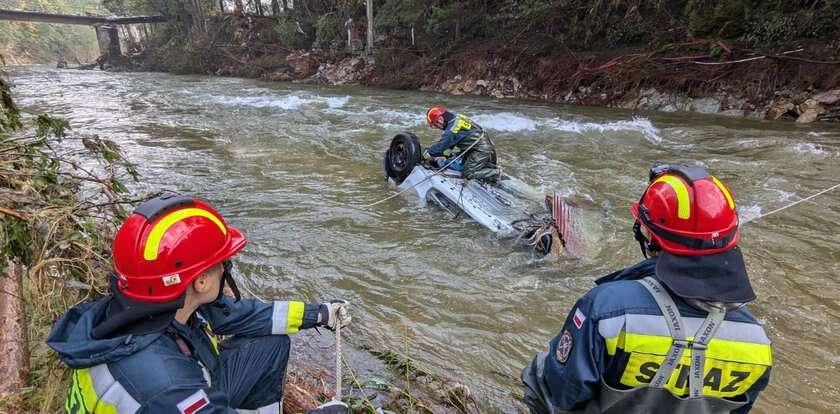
x: 707, y: 76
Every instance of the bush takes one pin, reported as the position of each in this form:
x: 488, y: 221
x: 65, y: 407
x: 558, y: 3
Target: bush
x: 398, y: 14
x: 725, y: 18
x: 630, y: 31
x: 772, y: 29
x: 290, y: 36
x: 328, y: 28
x: 440, y: 20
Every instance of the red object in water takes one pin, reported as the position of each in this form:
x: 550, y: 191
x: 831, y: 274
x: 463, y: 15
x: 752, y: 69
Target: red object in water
x: 562, y: 215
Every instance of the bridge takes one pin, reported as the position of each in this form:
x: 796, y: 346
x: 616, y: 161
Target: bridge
x: 106, y: 26
x: 27, y: 16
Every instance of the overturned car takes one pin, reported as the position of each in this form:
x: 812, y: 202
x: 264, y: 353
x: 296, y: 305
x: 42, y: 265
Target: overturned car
x: 508, y: 207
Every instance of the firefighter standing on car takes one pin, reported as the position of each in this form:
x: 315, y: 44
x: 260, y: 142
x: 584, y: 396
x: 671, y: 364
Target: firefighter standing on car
x: 670, y: 334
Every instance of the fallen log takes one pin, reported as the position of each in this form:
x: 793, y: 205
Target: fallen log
x: 14, y: 364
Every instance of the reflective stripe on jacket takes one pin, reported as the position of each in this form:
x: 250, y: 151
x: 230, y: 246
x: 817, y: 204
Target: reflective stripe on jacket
x: 150, y: 373
x: 615, y: 339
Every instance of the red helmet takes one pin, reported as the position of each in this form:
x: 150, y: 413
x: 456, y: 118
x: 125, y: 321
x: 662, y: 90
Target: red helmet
x: 434, y: 113
x: 167, y: 243
x: 687, y: 212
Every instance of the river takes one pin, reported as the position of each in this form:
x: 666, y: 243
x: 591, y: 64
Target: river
x: 294, y: 166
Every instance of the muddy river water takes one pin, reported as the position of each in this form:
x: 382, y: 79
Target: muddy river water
x: 294, y: 166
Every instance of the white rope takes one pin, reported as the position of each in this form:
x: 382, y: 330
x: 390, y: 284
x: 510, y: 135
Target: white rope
x: 338, y: 374
x: 792, y: 204
x: 430, y: 176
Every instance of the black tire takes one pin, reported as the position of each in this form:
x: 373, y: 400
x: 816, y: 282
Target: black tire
x: 386, y: 165
x: 544, y: 244
x: 403, y: 155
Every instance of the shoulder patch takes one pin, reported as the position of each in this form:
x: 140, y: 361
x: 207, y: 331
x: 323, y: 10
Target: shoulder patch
x: 564, y: 347
x: 578, y: 318
x: 194, y: 402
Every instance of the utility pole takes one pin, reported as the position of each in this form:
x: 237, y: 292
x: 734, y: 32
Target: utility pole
x: 349, y: 26
x: 370, y: 26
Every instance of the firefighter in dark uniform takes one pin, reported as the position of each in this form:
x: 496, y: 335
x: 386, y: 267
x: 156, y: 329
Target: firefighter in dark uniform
x: 461, y: 133
x: 670, y: 334
x: 151, y: 345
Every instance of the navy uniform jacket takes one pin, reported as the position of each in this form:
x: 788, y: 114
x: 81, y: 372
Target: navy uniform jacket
x: 616, y: 336
x: 460, y: 131
x: 149, y: 373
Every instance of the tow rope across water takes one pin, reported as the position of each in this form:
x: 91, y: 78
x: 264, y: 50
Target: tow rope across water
x: 791, y: 204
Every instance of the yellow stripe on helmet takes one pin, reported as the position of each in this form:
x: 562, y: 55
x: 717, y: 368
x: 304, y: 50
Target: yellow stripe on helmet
x: 153, y: 241
x: 683, y: 202
x: 725, y: 192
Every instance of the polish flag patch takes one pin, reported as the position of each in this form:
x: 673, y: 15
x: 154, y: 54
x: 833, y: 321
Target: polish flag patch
x: 578, y: 318
x: 193, y: 403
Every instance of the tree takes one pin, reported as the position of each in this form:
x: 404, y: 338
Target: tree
x: 370, y: 26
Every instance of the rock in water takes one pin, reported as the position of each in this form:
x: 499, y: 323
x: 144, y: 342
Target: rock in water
x: 778, y: 109
x: 705, y: 105
x: 810, y: 111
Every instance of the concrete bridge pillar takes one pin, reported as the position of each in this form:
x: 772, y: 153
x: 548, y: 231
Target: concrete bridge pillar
x: 109, y: 42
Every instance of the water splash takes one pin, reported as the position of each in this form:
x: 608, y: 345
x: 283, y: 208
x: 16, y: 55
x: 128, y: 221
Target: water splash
x: 642, y: 125
x: 336, y: 102
x: 808, y: 148
x: 511, y: 122
x: 748, y: 213
x: 505, y: 122
x: 285, y: 102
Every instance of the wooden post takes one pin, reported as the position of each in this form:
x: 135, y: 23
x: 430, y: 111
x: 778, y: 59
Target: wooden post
x: 370, y: 26
x: 14, y: 346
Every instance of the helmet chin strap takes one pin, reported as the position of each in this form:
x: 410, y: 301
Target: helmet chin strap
x: 644, y: 243
x: 227, y: 278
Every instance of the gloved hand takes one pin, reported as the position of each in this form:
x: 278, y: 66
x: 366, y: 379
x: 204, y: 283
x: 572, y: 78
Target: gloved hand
x: 331, y: 407
x: 333, y: 313
x: 439, y: 162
